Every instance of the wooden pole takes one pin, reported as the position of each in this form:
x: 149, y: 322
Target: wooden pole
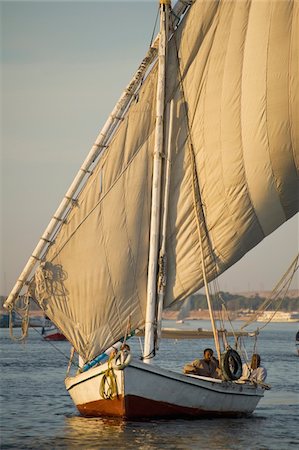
x: 211, y: 311
x: 150, y: 319
x: 163, y: 257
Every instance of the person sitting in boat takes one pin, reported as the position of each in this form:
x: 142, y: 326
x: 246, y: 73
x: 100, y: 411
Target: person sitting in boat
x: 208, y: 366
x: 254, y: 371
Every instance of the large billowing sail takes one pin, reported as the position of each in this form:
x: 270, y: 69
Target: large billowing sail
x: 233, y: 76
x: 241, y: 94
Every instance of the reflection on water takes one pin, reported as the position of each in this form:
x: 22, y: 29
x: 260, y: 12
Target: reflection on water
x: 170, y: 434
x: 105, y: 430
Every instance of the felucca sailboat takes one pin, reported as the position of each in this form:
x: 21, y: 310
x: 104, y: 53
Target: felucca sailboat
x: 194, y: 167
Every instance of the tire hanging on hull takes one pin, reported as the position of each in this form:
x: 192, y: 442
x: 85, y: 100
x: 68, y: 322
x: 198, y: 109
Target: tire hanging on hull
x: 231, y: 365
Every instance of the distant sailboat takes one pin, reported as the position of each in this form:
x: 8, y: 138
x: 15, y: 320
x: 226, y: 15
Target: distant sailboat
x: 194, y: 167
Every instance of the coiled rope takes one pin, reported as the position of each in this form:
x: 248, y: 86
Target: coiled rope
x: 108, y: 384
x: 25, y: 318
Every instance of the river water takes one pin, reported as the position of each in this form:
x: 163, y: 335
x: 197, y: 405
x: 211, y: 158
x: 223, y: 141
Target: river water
x: 37, y: 413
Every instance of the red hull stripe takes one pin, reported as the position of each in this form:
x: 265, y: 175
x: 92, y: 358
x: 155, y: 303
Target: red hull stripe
x: 55, y: 337
x: 115, y: 407
x: 133, y: 407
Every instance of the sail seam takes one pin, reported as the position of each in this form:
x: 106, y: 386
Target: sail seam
x: 236, y: 233
x: 191, y: 153
x: 220, y: 259
x: 197, y: 209
x: 241, y: 135
x: 98, y: 167
x: 266, y: 116
x: 99, y: 201
x: 292, y: 133
x: 134, y: 264
x: 236, y: 228
x: 114, y: 302
x: 200, y: 209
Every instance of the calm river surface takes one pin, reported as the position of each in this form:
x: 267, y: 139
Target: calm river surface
x: 37, y: 413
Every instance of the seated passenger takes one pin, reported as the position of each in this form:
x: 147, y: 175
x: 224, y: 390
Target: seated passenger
x: 206, y: 367
x: 254, y: 371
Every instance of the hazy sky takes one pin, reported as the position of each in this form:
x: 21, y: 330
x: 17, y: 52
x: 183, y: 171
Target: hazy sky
x: 64, y: 66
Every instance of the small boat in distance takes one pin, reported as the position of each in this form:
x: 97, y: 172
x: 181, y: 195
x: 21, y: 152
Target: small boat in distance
x: 51, y: 333
x: 278, y: 316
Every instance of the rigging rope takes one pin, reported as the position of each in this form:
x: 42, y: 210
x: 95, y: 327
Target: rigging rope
x: 26, y: 323
x: 70, y: 361
x: 25, y: 318
x: 155, y: 26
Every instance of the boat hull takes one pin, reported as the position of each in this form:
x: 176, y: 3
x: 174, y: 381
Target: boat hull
x: 52, y: 334
x: 55, y: 337
x: 145, y: 391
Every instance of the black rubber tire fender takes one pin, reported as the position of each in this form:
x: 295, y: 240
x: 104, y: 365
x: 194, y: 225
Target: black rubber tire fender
x: 231, y: 365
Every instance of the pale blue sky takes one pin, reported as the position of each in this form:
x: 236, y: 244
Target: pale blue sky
x: 64, y: 65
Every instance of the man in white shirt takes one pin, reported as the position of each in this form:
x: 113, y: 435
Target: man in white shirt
x: 254, y: 372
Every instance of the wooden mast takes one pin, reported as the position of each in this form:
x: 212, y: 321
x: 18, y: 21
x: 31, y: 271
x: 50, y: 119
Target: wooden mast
x: 163, y: 257
x: 150, y: 319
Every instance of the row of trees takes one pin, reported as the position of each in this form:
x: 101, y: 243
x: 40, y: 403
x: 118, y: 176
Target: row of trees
x: 235, y: 302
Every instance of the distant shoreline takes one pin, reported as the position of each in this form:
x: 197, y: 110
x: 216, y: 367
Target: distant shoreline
x: 240, y: 306
x: 37, y: 317
x: 200, y: 315
x: 204, y: 315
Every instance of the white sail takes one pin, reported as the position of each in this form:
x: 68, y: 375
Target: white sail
x: 241, y: 93
x: 233, y: 77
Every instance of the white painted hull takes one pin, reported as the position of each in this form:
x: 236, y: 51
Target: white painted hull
x: 148, y: 391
